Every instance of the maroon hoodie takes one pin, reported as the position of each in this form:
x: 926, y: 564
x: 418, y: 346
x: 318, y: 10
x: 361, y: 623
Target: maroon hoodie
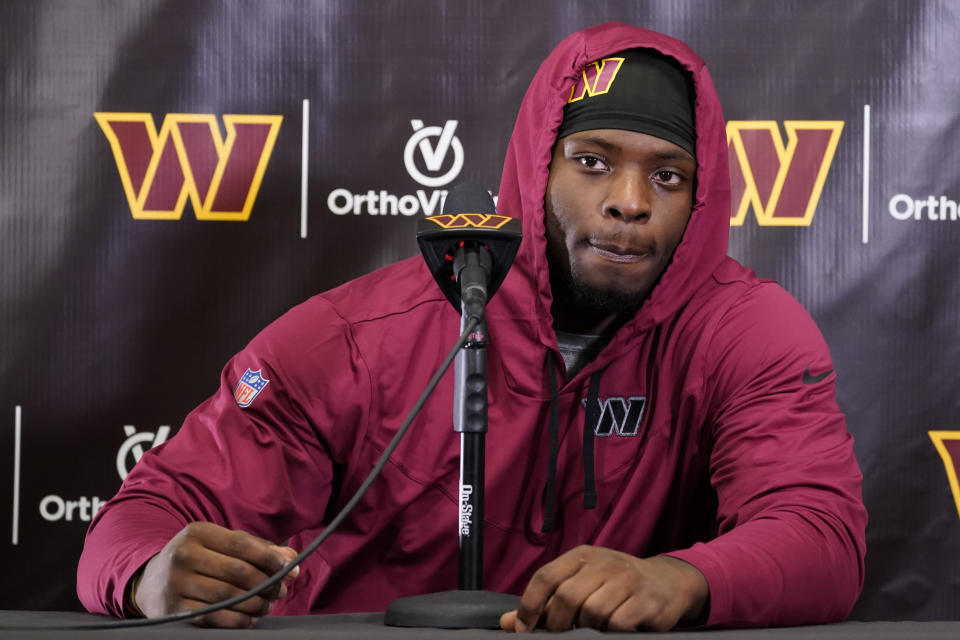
x: 715, y: 434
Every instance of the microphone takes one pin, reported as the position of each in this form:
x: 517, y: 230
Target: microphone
x: 469, y: 248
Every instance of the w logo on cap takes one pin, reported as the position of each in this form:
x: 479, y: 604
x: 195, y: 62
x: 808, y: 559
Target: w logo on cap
x: 595, y: 79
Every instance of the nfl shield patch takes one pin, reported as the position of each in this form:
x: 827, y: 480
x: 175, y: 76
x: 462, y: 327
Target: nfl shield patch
x: 250, y: 385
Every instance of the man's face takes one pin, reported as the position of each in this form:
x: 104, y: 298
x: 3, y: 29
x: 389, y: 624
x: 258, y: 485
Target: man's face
x: 617, y: 204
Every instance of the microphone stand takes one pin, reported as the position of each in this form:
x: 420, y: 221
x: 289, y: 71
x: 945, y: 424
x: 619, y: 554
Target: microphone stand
x: 469, y: 606
x: 470, y: 421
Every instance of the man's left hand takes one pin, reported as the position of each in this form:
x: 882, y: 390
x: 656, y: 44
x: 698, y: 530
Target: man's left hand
x: 612, y: 591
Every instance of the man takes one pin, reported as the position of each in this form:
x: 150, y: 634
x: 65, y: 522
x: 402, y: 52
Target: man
x: 701, y: 471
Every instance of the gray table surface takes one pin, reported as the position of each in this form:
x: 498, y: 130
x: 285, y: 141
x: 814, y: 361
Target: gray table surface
x: 370, y: 625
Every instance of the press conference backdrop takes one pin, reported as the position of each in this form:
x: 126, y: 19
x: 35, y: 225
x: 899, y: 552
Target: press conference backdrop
x: 175, y: 175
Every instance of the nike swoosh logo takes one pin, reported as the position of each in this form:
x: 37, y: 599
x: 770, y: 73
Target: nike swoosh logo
x: 811, y: 379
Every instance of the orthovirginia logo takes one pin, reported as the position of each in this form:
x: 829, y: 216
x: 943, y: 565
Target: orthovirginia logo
x: 903, y: 207
x: 780, y: 181
x: 948, y: 446
x: 55, y: 508
x: 132, y: 447
x: 433, y: 155
x: 190, y: 158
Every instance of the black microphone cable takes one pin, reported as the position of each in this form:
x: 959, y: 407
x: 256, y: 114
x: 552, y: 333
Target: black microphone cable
x: 310, y: 548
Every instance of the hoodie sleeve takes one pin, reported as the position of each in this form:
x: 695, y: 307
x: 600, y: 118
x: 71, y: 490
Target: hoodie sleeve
x: 262, y: 464
x: 791, y: 519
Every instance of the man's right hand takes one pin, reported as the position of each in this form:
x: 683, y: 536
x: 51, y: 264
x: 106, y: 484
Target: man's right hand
x: 206, y: 563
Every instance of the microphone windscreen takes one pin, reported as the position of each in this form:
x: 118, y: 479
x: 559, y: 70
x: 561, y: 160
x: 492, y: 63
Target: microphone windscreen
x: 468, y: 197
x: 469, y: 215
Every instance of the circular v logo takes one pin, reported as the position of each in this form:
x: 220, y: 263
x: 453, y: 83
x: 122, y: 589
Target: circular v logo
x: 433, y: 154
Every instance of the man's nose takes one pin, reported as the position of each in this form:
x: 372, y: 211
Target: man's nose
x: 628, y: 199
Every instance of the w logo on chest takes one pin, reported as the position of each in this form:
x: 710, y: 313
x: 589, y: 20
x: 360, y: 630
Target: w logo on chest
x: 620, y: 416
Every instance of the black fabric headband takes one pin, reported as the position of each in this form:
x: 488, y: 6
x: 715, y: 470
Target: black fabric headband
x: 637, y: 90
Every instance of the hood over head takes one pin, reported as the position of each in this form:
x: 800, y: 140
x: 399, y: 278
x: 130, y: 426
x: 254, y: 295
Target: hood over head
x: 526, y: 169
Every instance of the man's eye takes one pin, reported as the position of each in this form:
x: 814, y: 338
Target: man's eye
x: 668, y: 177
x: 591, y: 162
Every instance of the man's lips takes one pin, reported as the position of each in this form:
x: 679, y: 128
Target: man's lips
x: 617, y: 252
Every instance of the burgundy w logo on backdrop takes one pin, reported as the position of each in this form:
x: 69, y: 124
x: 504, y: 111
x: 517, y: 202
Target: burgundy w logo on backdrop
x: 189, y: 158
x: 781, y: 181
x: 948, y: 446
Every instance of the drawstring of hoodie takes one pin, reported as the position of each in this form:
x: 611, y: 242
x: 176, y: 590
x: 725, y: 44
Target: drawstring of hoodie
x: 549, y: 512
x: 590, y: 420
x: 591, y: 417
